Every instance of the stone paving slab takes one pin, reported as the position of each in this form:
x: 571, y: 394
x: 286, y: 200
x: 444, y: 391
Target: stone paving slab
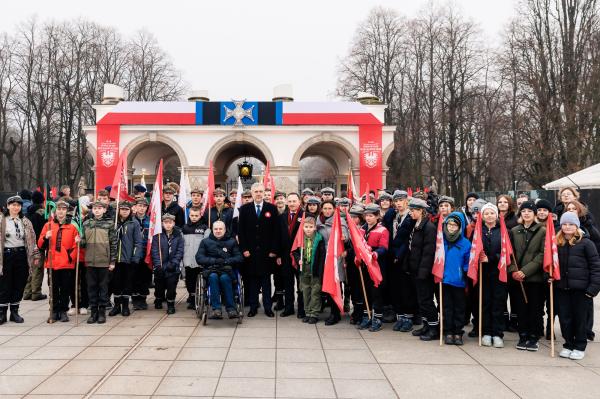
x: 152, y: 355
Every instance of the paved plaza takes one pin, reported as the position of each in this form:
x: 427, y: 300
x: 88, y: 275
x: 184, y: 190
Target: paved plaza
x: 150, y: 355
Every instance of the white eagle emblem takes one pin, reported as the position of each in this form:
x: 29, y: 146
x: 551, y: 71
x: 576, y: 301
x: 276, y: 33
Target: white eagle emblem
x: 108, y: 158
x: 238, y: 113
x: 371, y: 159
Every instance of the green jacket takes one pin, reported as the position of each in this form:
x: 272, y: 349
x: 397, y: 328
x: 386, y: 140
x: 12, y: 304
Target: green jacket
x: 100, y: 242
x: 529, y: 257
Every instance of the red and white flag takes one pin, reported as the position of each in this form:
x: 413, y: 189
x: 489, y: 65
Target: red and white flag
x: 209, y: 198
x: 155, y: 225
x: 119, y: 184
x: 298, y: 240
x: 269, y: 182
x: 440, y: 253
x: 367, y: 195
x: 409, y: 192
x: 365, y: 254
x: 331, y: 277
x: 351, y: 187
x: 476, y: 250
x: 506, y: 251
x: 551, y: 265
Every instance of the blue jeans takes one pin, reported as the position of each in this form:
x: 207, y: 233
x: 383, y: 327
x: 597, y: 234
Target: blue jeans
x: 218, y: 283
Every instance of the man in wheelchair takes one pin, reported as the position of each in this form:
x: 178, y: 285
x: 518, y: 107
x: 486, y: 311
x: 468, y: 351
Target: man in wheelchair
x: 218, y: 255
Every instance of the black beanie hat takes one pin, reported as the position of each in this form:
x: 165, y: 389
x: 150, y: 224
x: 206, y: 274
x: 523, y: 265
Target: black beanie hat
x: 25, y: 194
x: 528, y: 205
x: 542, y: 203
x: 37, y: 197
x: 471, y: 195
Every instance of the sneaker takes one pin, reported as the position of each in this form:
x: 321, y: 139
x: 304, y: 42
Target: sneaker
x: 498, y: 342
x: 376, y: 325
x: 232, y: 314
x: 449, y: 340
x: 522, y: 344
x: 398, y: 324
x: 458, y: 340
x: 407, y: 326
x: 83, y: 311
x: 71, y: 312
x: 312, y: 320
x: 486, y: 340
x: 365, y: 323
x: 577, y: 355
x: 532, y: 345
x: 566, y: 353
x: 305, y: 319
x: 216, y: 314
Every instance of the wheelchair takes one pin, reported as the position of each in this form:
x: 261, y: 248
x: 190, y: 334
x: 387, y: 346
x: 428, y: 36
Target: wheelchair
x: 203, y: 297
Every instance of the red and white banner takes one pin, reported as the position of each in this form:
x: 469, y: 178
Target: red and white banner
x: 107, y: 154
x: 331, y: 276
x: 369, y: 146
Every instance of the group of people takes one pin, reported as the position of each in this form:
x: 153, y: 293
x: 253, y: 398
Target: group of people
x: 117, y: 268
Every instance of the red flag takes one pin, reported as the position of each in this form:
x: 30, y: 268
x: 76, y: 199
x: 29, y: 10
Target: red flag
x: 505, y: 252
x: 426, y: 190
x: 551, y: 251
x: 409, y: 191
x: 367, y: 195
x: 119, y: 184
x: 155, y: 226
x: 365, y: 254
x: 351, y: 189
x: 476, y: 250
x: 331, y: 277
x: 53, y: 192
x: 269, y: 182
x: 298, y: 240
x: 440, y: 253
x: 209, y: 198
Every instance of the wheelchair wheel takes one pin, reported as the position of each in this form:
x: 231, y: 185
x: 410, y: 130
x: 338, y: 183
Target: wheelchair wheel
x: 240, y: 304
x: 200, y: 299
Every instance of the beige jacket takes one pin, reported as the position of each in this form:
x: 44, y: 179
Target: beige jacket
x: 33, y: 253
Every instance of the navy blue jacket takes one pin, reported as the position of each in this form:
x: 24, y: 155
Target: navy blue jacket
x: 218, y: 255
x: 171, y: 252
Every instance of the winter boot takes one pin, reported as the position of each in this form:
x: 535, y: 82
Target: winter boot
x: 3, y: 311
x: 14, y: 314
x: 365, y: 323
x: 93, y: 316
x: 143, y: 305
x: 158, y: 303
x: 125, y: 306
x: 116, y: 308
x: 170, y: 307
x: 522, y: 344
x: 421, y: 331
x: 101, y: 315
x: 63, y: 317
x: 376, y: 324
x: 432, y: 334
x: 191, y: 302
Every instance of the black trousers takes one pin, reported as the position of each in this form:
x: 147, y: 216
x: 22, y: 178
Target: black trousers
x: 354, y: 287
x: 572, y: 308
x: 374, y: 294
x: 278, y: 280
x: 405, y: 292
x: 122, y: 278
x: 165, y: 287
x: 454, y: 301
x: 425, y: 294
x: 81, y: 287
x: 97, y: 282
x: 530, y: 315
x: 14, y: 276
x: 142, y: 277
x: 254, y: 285
x: 494, y: 295
x: 291, y: 286
x: 589, y: 325
x: 63, y: 281
x: 191, y: 277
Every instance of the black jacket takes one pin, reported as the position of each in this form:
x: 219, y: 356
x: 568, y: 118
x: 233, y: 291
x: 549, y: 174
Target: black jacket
x: 259, y: 236
x: 35, y: 214
x: 170, y: 253
x: 129, y: 246
x: 286, y: 239
x: 492, y: 246
x: 318, y: 260
x: 225, y: 216
x: 589, y: 226
x: 422, y: 249
x: 218, y: 255
x: 399, y: 243
x: 579, y: 267
x: 175, y: 210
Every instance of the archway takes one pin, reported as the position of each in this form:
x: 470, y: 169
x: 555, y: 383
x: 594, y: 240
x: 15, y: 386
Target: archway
x: 144, y: 159
x: 230, y: 153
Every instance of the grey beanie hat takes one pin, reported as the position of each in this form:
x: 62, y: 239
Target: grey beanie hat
x: 570, y: 217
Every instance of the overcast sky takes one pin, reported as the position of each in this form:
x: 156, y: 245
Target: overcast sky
x: 241, y: 49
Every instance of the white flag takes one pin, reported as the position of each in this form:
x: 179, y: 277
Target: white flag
x: 238, y: 198
x: 184, y: 190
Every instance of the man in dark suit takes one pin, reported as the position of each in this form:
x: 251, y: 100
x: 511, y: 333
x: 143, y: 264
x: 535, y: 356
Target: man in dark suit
x: 290, y: 221
x: 258, y: 235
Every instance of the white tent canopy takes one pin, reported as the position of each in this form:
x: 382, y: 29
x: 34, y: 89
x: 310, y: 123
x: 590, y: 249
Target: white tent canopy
x: 587, y: 178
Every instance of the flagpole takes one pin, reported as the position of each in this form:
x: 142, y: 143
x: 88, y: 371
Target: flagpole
x: 520, y: 282
x: 77, y: 287
x: 51, y: 264
x: 362, y: 281
x: 552, y: 317
x: 441, y: 315
x: 480, y: 299
x: 117, y: 210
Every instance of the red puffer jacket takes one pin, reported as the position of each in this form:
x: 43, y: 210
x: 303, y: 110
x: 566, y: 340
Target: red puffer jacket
x: 63, y: 249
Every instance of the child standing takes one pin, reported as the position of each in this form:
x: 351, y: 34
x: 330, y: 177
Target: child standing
x: 456, y: 264
x: 100, y: 241
x: 167, y: 252
x: 129, y: 252
x: 193, y: 234
x: 59, y: 238
x: 311, y: 265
